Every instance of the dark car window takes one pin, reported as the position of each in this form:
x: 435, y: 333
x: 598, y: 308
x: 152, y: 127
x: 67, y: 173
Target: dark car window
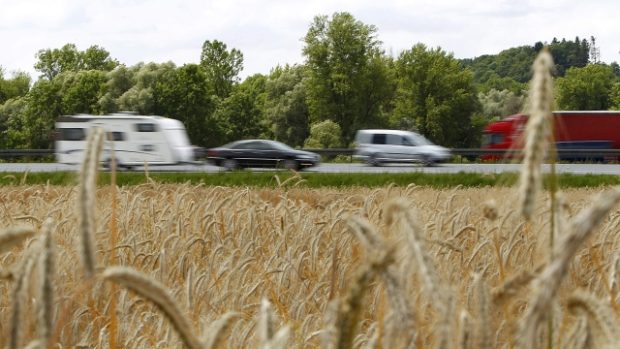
x: 378, y: 138
x: 264, y: 146
x: 244, y: 145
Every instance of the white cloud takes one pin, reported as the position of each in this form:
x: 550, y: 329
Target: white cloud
x: 270, y: 32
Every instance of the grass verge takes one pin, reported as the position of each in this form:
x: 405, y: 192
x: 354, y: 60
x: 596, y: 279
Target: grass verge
x: 310, y: 180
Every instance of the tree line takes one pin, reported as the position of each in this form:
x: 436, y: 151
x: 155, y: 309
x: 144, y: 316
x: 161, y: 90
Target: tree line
x: 346, y: 82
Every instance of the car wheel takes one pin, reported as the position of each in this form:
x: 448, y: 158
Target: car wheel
x: 373, y: 160
x: 230, y: 164
x: 291, y: 164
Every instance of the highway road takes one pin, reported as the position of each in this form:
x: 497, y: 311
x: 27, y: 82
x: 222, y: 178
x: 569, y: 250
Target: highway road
x: 340, y: 168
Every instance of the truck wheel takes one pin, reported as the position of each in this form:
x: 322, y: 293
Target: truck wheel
x: 230, y: 164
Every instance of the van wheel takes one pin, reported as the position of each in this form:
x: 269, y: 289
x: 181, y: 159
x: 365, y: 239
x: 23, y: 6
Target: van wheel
x: 373, y: 160
x: 291, y: 164
x: 427, y: 162
x: 230, y: 164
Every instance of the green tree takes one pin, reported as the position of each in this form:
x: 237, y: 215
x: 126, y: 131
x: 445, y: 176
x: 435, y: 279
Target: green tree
x: 324, y: 134
x: 32, y: 128
x: 188, y: 99
x: 497, y: 104
x: 140, y: 97
x: 97, y: 58
x: 348, y: 75
x: 614, y: 96
x: 435, y: 96
x: 118, y: 81
x: 81, y: 91
x: 12, y: 123
x: 241, y: 114
x: 286, y: 114
x: 51, y: 62
x: 221, y: 66
x: 17, y: 86
x: 585, y: 88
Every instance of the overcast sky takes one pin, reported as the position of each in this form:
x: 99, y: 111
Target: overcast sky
x: 270, y: 32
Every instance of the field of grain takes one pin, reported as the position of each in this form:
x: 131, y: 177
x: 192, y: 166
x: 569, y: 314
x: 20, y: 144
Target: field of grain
x: 298, y: 268
x: 171, y: 266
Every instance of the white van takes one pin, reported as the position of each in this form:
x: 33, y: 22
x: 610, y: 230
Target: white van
x: 376, y: 147
x: 138, y: 139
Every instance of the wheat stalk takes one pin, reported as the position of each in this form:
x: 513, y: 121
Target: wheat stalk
x: 46, y: 306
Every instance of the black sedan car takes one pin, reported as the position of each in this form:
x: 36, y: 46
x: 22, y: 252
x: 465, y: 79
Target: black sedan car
x: 261, y: 153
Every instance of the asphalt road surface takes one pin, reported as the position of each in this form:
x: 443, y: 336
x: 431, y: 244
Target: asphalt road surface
x: 340, y: 168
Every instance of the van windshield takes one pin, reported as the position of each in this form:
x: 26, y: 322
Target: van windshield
x: 417, y: 139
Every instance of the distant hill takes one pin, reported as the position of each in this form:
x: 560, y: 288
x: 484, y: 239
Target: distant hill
x: 512, y: 67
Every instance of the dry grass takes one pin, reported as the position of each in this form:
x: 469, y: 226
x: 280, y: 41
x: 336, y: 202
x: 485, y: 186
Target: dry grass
x: 220, y: 250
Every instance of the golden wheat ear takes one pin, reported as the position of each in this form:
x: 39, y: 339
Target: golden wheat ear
x: 159, y: 295
x: 86, y: 200
x: 537, y: 132
x: 13, y: 236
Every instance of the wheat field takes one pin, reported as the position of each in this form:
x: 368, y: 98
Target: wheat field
x: 252, y: 268
x: 171, y: 266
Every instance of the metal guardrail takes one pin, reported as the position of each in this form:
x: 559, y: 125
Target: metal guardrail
x: 473, y: 153
x: 20, y: 153
x: 464, y: 152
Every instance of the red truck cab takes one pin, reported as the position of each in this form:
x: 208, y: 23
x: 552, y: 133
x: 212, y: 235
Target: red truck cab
x: 503, y: 135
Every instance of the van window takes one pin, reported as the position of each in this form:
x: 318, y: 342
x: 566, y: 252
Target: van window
x: 394, y: 139
x: 116, y: 136
x: 72, y: 134
x: 146, y: 127
x: 379, y: 138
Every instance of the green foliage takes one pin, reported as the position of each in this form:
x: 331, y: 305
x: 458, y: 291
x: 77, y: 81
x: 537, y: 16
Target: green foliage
x: 118, y: 81
x: 514, y: 64
x: 614, y: 96
x: 81, y: 91
x: 585, y: 88
x: 286, y: 114
x: 17, y: 86
x: 324, y: 134
x: 436, y: 96
x: 498, y: 104
x: 348, y: 80
x: 240, y: 114
x: 190, y: 94
x: 52, y: 62
x: 221, y: 66
x: 140, y: 97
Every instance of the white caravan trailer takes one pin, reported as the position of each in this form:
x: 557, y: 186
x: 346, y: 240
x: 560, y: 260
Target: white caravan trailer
x: 137, y: 139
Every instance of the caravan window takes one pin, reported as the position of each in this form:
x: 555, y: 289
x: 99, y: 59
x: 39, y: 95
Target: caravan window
x: 144, y: 127
x: 116, y: 136
x: 72, y: 134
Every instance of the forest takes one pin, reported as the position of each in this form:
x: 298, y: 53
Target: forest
x: 346, y: 82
